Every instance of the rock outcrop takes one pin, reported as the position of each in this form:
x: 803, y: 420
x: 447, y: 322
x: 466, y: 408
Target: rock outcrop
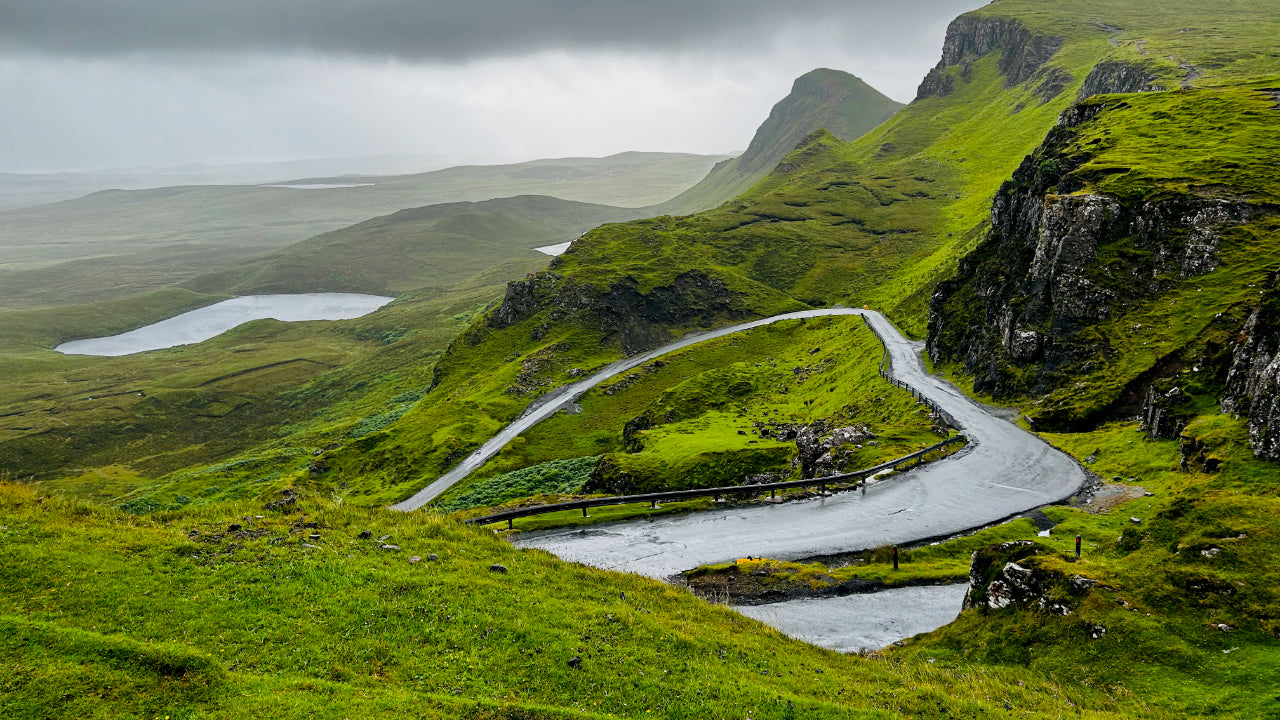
x: 638, y: 320
x: 1057, y: 261
x: 1117, y: 76
x: 1007, y: 575
x: 1022, y: 52
x: 1252, y: 387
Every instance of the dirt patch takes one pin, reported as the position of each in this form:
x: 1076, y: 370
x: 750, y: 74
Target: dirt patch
x: 1108, y: 497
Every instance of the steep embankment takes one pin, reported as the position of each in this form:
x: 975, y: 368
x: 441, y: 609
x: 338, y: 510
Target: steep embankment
x: 836, y: 101
x: 1128, y: 266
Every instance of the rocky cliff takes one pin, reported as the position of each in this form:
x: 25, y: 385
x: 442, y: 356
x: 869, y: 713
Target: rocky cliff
x: 1252, y: 387
x: 1062, y: 260
x: 638, y: 320
x: 1022, y: 53
x: 1057, y: 261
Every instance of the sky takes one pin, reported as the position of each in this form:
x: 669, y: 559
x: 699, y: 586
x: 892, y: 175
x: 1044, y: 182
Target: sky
x: 94, y: 84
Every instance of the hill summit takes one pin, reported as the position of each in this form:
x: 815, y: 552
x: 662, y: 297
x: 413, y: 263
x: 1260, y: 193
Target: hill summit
x: 841, y: 103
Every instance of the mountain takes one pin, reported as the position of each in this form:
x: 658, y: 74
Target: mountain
x: 833, y: 100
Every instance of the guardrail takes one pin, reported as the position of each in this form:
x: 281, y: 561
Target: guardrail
x: 654, y: 498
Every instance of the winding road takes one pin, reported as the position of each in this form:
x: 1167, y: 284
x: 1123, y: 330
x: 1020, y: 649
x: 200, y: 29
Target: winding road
x: 549, y: 405
x: 1004, y: 471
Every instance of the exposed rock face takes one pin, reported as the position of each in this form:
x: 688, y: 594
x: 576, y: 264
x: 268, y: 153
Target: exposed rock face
x: 1253, y: 382
x: 821, y: 449
x: 1160, y: 417
x: 1000, y: 576
x: 639, y: 320
x: 969, y: 37
x: 1020, y: 310
x: 1115, y: 76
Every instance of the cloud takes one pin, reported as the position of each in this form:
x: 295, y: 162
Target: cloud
x: 436, y: 30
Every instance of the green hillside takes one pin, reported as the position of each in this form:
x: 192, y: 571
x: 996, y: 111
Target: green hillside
x: 878, y: 221
x: 430, y: 246
x: 836, y: 101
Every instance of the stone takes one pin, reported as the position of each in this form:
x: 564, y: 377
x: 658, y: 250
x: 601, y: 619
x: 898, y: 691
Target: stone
x: 433, y: 557
x: 1095, y: 631
x: 415, y: 560
x: 498, y: 568
x: 365, y: 534
x: 233, y: 527
x: 313, y: 536
x: 1211, y: 552
x: 390, y: 547
x: 384, y: 538
x: 575, y: 662
x: 1134, y: 520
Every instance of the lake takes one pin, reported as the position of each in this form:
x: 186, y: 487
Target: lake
x: 208, y: 322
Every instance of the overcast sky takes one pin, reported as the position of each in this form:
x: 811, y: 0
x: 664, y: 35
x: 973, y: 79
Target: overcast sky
x: 87, y: 84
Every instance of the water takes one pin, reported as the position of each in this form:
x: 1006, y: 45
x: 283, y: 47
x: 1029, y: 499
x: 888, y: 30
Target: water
x: 553, y: 250
x: 863, y: 622
x: 207, y: 322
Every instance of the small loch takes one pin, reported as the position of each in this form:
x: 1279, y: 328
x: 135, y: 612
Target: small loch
x: 208, y: 322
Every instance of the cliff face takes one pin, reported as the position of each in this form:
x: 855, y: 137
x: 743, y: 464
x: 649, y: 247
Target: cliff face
x: 1023, y: 311
x: 637, y: 320
x: 1116, y: 76
x: 1252, y: 387
x: 1017, y: 312
x: 1022, y: 52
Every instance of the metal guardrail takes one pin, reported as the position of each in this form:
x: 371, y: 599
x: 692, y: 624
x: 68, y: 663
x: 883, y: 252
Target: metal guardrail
x: 654, y: 498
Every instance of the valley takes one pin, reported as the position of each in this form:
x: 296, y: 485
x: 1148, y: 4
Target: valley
x: 1066, y: 242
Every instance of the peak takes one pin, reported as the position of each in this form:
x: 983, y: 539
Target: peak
x: 826, y: 81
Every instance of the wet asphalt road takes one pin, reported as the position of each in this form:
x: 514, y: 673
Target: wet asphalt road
x: 1004, y: 471
x: 548, y: 406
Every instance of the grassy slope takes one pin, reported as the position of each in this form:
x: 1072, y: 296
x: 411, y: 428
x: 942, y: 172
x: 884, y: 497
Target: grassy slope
x: 877, y: 221
x: 107, y: 615
x: 705, y: 402
x: 430, y: 246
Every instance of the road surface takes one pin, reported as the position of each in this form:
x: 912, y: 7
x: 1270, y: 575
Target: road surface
x: 548, y: 406
x: 1004, y: 471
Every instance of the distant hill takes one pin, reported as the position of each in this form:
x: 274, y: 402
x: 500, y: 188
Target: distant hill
x: 433, y: 246
x: 118, y: 243
x: 841, y: 103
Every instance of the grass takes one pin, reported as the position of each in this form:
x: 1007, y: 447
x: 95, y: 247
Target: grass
x: 1161, y: 599
x: 704, y: 408
x: 180, y: 614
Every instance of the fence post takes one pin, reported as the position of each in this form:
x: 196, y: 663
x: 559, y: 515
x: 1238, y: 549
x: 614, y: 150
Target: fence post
x: 584, y: 512
x: 1077, y: 547
x: 895, y: 557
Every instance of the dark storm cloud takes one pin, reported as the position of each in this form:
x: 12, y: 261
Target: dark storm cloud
x: 427, y: 30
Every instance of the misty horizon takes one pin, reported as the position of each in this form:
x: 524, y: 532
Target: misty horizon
x: 142, y: 85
